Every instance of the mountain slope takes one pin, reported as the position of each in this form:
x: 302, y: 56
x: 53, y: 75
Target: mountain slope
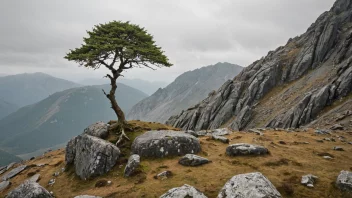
x: 290, y: 86
x: 188, y: 89
x: 6, y: 108
x: 7, y: 158
x: 26, y: 89
x: 61, y: 116
x: 143, y: 85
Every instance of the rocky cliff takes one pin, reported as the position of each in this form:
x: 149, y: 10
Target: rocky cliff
x: 289, y: 87
x: 187, y: 89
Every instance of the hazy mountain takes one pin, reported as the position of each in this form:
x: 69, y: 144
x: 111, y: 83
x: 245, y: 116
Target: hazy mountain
x: 187, y: 89
x: 7, y: 158
x: 142, y: 85
x: 26, y: 89
x: 291, y: 87
x: 61, y: 116
x: 6, y: 108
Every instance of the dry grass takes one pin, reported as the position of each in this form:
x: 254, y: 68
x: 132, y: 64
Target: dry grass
x: 284, y: 167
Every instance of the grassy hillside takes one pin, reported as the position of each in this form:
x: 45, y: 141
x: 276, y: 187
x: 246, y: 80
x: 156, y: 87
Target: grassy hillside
x: 284, y: 167
x: 61, y: 116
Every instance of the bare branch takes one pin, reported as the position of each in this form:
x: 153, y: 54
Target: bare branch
x: 107, y: 95
x: 109, y: 76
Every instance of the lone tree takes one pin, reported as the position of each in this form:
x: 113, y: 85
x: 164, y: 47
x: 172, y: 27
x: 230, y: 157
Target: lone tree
x: 118, y: 46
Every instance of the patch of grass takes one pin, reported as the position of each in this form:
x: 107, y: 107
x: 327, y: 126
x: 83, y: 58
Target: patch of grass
x: 286, y: 188
x: 280, y: 162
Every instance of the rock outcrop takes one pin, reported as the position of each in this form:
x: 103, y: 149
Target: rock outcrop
x: 184, y: 191
x: 344, y: 181
x: 245, y: 149
x: 254, y: 185
x: 314, y: 69
x: 188, y: 89
x: 99, y: 129
x: 4, y: 185
x: 308, y: 180
x: 132, y: 165
x: 165, y: 143
x: 13, y: 172
x: 91, y: 156
x: 29, y: 190
x: 193, y: 160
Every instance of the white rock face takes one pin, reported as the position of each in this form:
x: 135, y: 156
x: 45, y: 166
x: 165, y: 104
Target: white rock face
x: 184, y: 191
x: 250, y: 185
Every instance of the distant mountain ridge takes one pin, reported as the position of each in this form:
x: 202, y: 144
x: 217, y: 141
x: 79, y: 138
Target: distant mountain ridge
x: 187, y: 89
x: 6, y: 108
x: 7, y: 158
x: 142, y: 85
x: 61, y: 116
x: 24, y: 89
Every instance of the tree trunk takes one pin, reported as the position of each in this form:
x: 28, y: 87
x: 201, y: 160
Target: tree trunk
x: 120, y: 115
x: 121, y: 122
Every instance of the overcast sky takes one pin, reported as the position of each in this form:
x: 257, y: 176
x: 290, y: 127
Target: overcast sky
x: 36, y: 34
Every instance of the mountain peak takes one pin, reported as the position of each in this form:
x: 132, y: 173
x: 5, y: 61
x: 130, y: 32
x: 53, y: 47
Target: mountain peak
x: 287, y: 88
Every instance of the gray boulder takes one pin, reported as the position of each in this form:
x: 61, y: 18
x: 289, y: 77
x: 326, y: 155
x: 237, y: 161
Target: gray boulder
x: 132, y: 165
x: 245, y: 149
x: 256, y: 131
x: 99, y: 129
x: 253, y: 185
x: 344, y: 181
x: 91, y: 156
x: 10, y: 165
x: 308, y: 180
x: 221, y: 132
x: 220, y: 138
x: 163, y: 175
x: 337, y: 127
x: 193, y: 160
x: 165, y: 143
x: 4, y: 185
x: 13, y: 172
x: 29, y: 190
x: 184, y: 191
x: 35, y: 178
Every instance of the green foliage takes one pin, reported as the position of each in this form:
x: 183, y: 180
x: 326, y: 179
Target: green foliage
x: 118, y: 42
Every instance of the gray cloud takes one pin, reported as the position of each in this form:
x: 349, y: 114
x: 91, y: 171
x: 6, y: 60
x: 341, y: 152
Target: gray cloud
x: 36, y: 34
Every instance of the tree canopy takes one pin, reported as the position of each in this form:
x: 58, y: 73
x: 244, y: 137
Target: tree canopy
x: 118, y: 42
